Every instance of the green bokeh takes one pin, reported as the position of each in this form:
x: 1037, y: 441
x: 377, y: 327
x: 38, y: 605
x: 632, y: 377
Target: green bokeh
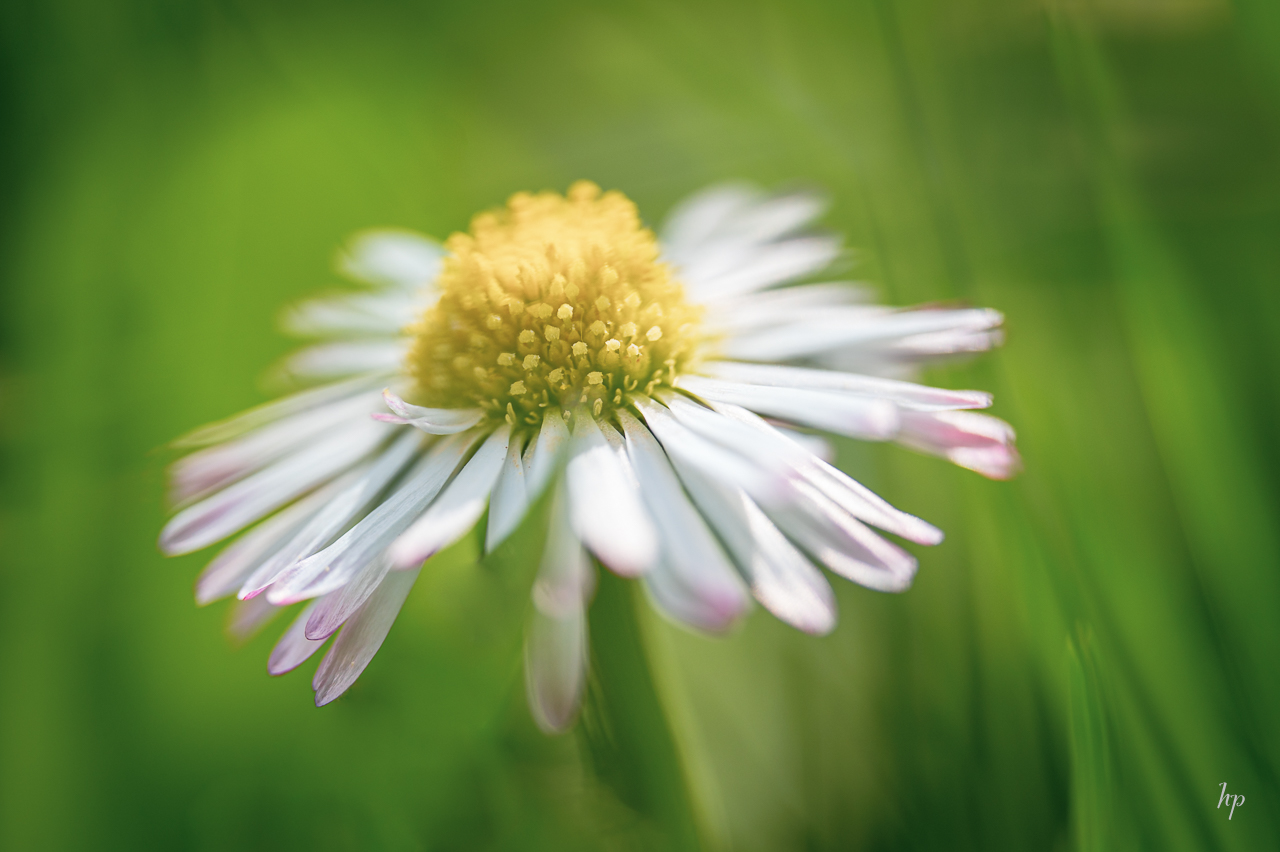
x: 1082, y: 663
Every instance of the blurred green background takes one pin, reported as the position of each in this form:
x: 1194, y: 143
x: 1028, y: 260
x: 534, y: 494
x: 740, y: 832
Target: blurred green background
x: 1082, y: 663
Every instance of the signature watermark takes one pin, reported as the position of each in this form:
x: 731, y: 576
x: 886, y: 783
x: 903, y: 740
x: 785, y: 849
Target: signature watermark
x: 1229, y: 799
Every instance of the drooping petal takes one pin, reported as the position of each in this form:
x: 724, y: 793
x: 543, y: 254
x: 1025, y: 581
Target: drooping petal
x: 433, y: 421
x: 458, y: 508
x: 903, y: 394
x: 555, y: 667
x: 362, y: 636
x: 344, y: 506
x: 258, y: 494
x: 509, y: 500
x: 332, y: 567
x: 565, y: 574
x: 294, y: 648
x: 336, y: 607
x: 978, y: 442
x: 392, y: 258
x: 604, y: 505
x: 856, y: 416
x: 693, y: 580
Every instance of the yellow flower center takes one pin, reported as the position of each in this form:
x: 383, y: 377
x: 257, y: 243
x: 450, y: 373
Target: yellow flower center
x: 552, y: 301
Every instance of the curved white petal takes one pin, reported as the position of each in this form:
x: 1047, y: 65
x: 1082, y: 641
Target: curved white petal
x: 361, y: 637
x: 344, y: 358
x: 332, y: 567
x: 856, y: 416
x: 433, y: 421
x: 294, y: 648
x: 604, y: 504
x: 693, y: 580
x: 392, y: 258
x: 258, y: 494
x: 975, y: 441
x: 781, y: 578
x: 509, y: 500
x: 555, y: 667
x: 342, y: 507
x: 696, y: 220
x: 544, y: 454
x: 904, y: 394
x: 457, y: 509
x: 239, y: 559
x: 334, y: 609
x: 565, y: 576
x: 744, y: 269
x: 382, y: 314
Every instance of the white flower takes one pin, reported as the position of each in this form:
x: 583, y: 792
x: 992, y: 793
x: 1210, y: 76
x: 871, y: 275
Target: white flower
x: 654, y: 387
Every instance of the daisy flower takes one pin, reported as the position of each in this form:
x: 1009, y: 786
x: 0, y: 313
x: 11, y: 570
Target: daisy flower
x: 663, y: 394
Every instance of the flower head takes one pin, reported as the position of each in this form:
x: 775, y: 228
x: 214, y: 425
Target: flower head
x: 651, y: 388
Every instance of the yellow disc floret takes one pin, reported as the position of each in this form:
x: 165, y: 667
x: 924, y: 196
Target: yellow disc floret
x: 552, y: 301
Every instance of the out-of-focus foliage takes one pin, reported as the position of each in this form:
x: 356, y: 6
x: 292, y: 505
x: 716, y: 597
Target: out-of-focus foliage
x: 1079, y: 666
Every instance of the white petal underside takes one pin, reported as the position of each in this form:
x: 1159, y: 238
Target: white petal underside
x: 509, y: 500
x: 260, y: 493
x: 862, y: 417
x: 544, y: 455
x: 393, y: 258
x: 693, y: 581
x: 332, y: 567
x: 294, y: 648
x: 903, y: 394
x: 605, y: 509
x: 555, y: 667
x: 458, y: 508
x: 344, y: 506
x: 433, y: 421
x: 362, y: 636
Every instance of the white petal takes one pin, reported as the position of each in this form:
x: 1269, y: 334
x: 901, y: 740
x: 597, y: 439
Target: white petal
x: 457, y: 509
x: 225, y: 430
x: 850, y: 495
x: 555, y: 667
x: 856, y: 327
x: 509, y: 500
x: 209, y: 469
x: 758, y: 475
x: 544, y: 455
x: 565, y: 576
x: 781, y: 579
x: 836, y: 539
x: 856, y: 416
x: 361, y: 637
x: 604, y: 506
x: 239, y: 559
x: 344, y: 358
x: 333, y: 609
x: 799, y: 303
x: 249, y: 499
x: 294, y: 648
x: 344, y: 505
x: 974, y: 441
x: 760, y: 267
x: 392, y: 257
x: 332, y: 567
x: 696, y: 220
x: 694, y: 580
x: 433, y: 421
x: 381, y: 314
x: 904, y: 394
